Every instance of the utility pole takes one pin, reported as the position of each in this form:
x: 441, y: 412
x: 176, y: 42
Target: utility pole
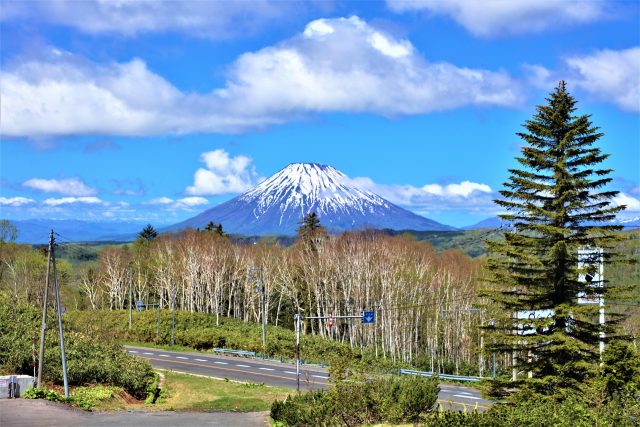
x: 60, y: 330
x: 264, y: 314
x: 45, y: 303
x: 297, y: 317
x: 158, y: 335
x: 130, y: 298
x: 366, y: 316
x: 173, y: 311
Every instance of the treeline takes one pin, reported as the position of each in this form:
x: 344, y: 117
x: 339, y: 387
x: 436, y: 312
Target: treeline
x: 422, y: 299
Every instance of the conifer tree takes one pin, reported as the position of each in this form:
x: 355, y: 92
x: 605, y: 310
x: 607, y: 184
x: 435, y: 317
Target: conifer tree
x: 148, y: 233
x: 556, y: 205
x: 311, y: 232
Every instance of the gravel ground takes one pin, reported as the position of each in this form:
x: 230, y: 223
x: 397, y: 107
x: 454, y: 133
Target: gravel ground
x: 41, y: 413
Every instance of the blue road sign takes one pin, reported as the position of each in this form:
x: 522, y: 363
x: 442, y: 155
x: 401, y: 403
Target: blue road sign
x: 368, y: 317
x: 139, y: 305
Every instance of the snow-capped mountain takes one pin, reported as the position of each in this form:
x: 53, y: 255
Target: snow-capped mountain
x: 278, y: 204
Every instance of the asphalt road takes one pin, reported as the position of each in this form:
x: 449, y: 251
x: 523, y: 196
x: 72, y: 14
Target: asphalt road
x: 280, y: 374
x: 41, y: 413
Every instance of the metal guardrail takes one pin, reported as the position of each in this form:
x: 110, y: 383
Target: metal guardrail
x: 443, y: 376
x: 235, y: 352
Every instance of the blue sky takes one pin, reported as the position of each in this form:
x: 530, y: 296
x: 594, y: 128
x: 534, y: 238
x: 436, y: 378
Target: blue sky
x: 155, y: 111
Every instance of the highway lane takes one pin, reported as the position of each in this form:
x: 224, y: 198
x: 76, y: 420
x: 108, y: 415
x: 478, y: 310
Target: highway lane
x: 275, y: 373
x: 235, y: 368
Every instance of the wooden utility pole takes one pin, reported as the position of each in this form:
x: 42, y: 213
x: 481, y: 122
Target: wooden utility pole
x: 45, y: 302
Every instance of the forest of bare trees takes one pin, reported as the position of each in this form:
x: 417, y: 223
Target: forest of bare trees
x: 422, y: 299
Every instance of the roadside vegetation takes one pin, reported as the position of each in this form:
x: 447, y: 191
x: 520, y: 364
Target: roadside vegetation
x: 90, y: 359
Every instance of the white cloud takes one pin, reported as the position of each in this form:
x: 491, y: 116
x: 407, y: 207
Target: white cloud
x: 610, y: 75
x: 632, y: 203
x: 335, y: 65
x: 185, y: 203
x: 210, y: 19
x: 15, y: 201
x: 495, y: 17
x: 160, y: 201
x: 67, y: 187
x: 466, y: 195
x: 72, y: 200
x: 357, y: 68
x: 606, y: 75
x: 223, y: 175
x: 192, y: 201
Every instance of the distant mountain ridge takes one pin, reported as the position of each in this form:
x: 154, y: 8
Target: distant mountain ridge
x: 278, y: 204
x: 36, y: 231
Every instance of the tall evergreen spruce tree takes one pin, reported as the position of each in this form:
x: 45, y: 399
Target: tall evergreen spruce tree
x: 552, y: 203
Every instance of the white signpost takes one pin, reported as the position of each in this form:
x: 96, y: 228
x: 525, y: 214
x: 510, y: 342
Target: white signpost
x: 591, y: 273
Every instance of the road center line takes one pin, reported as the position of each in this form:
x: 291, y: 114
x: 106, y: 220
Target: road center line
x: 200, y: 360
x: 290, y: 372
x: 320, y: 376
x: 267, y: 369
x: 243, y: 366
x: 231, y: 369
x: 151, y: 354
x: 221, y: 363
x: 132, y: 351
x: 467, y: 397
x: 182, y: 357
x: 164, y: 355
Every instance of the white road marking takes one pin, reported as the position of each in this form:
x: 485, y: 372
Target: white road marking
x: 319, y: 376
x: 289, y: 372
x: 200, y: 360
x: 243, y: 366
x: 148, y: 353
x: 164, y: 355
x: 221, y: 363
x: 132, y: 351
x: 267, y: 369
x: 467, y: 397
x: 181, y: 357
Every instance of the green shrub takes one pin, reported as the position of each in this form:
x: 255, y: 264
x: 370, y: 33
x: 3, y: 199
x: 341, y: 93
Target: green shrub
x: 87, y: 397
x: 91, y: 358
x: 43, y: 393
x: 365, y: 401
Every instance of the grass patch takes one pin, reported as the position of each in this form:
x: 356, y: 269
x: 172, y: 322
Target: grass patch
x: 184, y: 392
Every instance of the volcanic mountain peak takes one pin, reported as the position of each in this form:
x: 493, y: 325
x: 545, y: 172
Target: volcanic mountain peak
x: 303, y: 185
x: 278, y: 204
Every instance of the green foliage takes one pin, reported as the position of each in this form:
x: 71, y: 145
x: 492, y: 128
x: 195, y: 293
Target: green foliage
x: 90, y: 359
x: 365, y: 401
x: 82, y: 397
x: 43, y: 393
x: 536, y: 412
x: 553, y: 201
x: 311, y: 233
x: 148, y: 233
x: 621, y: 370
x: 88, y: 397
